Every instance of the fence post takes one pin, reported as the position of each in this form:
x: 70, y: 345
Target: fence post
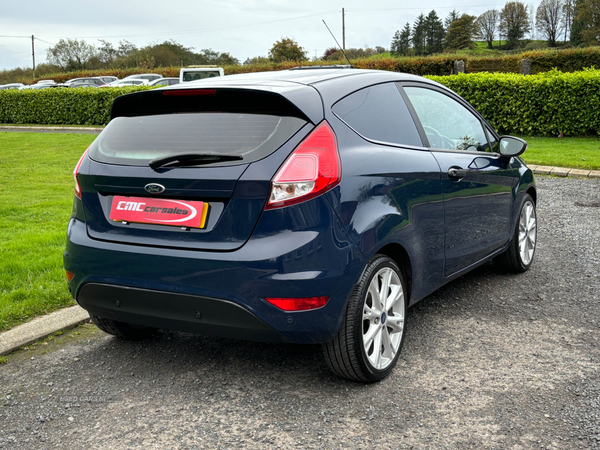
x: 526, y: 66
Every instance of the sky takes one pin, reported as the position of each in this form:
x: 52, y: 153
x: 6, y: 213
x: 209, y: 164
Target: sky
x: 244, y: 28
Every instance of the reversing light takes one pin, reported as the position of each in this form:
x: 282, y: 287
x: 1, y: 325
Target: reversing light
x: 76, y: 172
x: 299, y: 304
x: 189, y: 92
x: 70, y: 276
x: 312, y: 169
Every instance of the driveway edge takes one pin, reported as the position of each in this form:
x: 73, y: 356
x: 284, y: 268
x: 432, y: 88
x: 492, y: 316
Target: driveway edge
x: 41, y: 327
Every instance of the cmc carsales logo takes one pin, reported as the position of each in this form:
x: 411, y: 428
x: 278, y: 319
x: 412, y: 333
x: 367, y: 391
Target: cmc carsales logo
x: 159, y: 211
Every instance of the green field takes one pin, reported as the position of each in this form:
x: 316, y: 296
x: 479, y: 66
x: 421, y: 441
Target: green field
x: 36, y: 195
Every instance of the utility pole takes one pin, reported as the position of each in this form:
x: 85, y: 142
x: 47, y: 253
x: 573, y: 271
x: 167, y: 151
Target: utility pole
x: 33, y: 52
x: 343, y: 30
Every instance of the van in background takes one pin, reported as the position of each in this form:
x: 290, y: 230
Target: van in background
x: 187, y: 74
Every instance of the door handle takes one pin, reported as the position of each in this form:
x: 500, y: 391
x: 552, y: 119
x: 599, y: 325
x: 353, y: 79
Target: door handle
x: 457, y: 172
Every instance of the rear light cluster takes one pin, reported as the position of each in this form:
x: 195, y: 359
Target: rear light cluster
x: 298, y: 304
x: 76, y: 172
x: 312, y: 169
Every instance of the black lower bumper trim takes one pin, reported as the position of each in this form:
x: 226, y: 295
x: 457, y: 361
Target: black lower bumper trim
x: 173, y: 311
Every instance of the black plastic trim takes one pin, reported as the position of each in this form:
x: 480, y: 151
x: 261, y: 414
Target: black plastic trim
x: 174, y: 311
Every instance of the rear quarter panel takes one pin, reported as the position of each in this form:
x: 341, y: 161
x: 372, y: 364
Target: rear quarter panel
x: 392, y: 196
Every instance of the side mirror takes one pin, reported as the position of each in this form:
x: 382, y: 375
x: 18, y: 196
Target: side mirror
x: 511, y: 146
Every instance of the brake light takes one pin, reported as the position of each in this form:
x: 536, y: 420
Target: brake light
x: 312, y: 169
x: 190, y: 92
x: 298, y: 304
x: 76, y: 172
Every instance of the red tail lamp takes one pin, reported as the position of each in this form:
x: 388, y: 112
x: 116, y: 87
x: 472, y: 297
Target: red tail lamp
x: 299, y: 304
x: 70, y: 276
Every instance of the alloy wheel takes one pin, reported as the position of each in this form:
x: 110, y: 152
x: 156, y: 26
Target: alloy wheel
x: 383, y: 318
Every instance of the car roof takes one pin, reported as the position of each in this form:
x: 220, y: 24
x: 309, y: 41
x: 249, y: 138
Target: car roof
x: 310, y: 90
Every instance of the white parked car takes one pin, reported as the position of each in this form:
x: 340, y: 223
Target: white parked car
x: 164, y: 82
x: 127, y: 82
x: 11, y: 86
x: 144, y: 76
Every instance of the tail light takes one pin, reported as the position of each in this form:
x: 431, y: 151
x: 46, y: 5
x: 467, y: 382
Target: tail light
x: 76, y: 172
x: 298, y: 304
x: 312, y: 169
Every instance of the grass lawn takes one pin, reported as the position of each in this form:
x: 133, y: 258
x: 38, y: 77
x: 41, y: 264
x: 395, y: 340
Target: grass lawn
x: 36, y: 196
x: 574, y: 152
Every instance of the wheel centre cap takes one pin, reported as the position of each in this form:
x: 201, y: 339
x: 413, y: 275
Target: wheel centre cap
x: 383, y: 317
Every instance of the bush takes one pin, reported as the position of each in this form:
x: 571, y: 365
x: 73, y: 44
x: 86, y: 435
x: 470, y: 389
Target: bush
x: 60, y: 106
x: 552, y: 103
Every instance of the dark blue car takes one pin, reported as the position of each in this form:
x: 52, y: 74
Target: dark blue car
x: 305, y: 206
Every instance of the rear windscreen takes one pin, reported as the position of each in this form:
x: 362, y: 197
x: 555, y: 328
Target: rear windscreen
x: 135, y: 141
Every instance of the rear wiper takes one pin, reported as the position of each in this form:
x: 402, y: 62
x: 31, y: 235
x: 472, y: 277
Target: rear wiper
x: 192, y: 159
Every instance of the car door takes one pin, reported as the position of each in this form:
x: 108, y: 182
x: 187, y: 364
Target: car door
x: 476, y: 181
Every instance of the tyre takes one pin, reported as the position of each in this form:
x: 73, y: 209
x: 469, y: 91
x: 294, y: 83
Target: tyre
x: 521, y: 250
x: 370, y: 338
x: 123, y: 330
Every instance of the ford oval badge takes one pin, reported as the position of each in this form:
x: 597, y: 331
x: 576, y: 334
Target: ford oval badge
x: 154, y: 188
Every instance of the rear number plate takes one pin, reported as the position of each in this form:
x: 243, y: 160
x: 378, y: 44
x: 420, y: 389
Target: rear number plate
x: 159, y: 211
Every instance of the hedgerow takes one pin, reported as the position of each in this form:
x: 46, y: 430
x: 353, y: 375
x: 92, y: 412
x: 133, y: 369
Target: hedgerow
x: 60, y: 106
x: 569, y: 60
x: 550, y: 103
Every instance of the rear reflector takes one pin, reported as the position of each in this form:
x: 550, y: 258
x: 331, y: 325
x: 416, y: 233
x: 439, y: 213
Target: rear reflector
x: 298, y: 304
x: 75, y: 172
x: 312, y: 169
x: 190, y: 92
x: 70, y: 276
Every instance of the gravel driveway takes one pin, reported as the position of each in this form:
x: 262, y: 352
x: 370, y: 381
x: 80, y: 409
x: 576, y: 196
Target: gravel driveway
x: 490, y: 361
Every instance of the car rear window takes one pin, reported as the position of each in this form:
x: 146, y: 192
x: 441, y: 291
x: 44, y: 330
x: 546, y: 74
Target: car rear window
x: 135, y: 141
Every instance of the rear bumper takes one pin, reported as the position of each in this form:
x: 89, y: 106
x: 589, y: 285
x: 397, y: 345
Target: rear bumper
x: 174, y: 311
x: 165, y: 287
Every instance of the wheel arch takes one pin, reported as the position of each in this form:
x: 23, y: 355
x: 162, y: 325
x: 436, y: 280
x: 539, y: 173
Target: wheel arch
x: 401, y: 257
x: 533, y: 193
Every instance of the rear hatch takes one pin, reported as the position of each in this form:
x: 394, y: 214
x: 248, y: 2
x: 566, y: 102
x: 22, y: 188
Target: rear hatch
x: 207, y: 199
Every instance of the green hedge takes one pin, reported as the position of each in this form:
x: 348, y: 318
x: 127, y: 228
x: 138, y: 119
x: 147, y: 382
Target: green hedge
x: 551, y: 103
x: 60, y: 106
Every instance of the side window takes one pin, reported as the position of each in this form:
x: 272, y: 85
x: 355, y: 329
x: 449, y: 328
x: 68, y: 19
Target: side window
x: 379, y: 113
x: 447, y: 124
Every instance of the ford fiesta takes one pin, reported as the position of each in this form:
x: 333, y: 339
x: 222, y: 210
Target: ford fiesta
x: 304, y: 206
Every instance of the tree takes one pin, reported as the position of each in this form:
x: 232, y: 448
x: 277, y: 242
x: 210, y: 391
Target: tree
x: 487, y: 24
x: 451, y: 17
x: 71, y: 54
x: 418, y: 35
x: 401, y: 42
x: 434, y: 33
x: 589, y: 17
x: 461, y: 32
x: 549, y: 17
x: 514, y: 23
x: 577, y: 26
x: 286, y: 49
x: 568, y: 14
x: 330, y: 51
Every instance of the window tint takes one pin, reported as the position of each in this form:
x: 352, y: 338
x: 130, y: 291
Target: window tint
x: 379, y: 113
x: 134, y: 141
x: 448, y: 124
